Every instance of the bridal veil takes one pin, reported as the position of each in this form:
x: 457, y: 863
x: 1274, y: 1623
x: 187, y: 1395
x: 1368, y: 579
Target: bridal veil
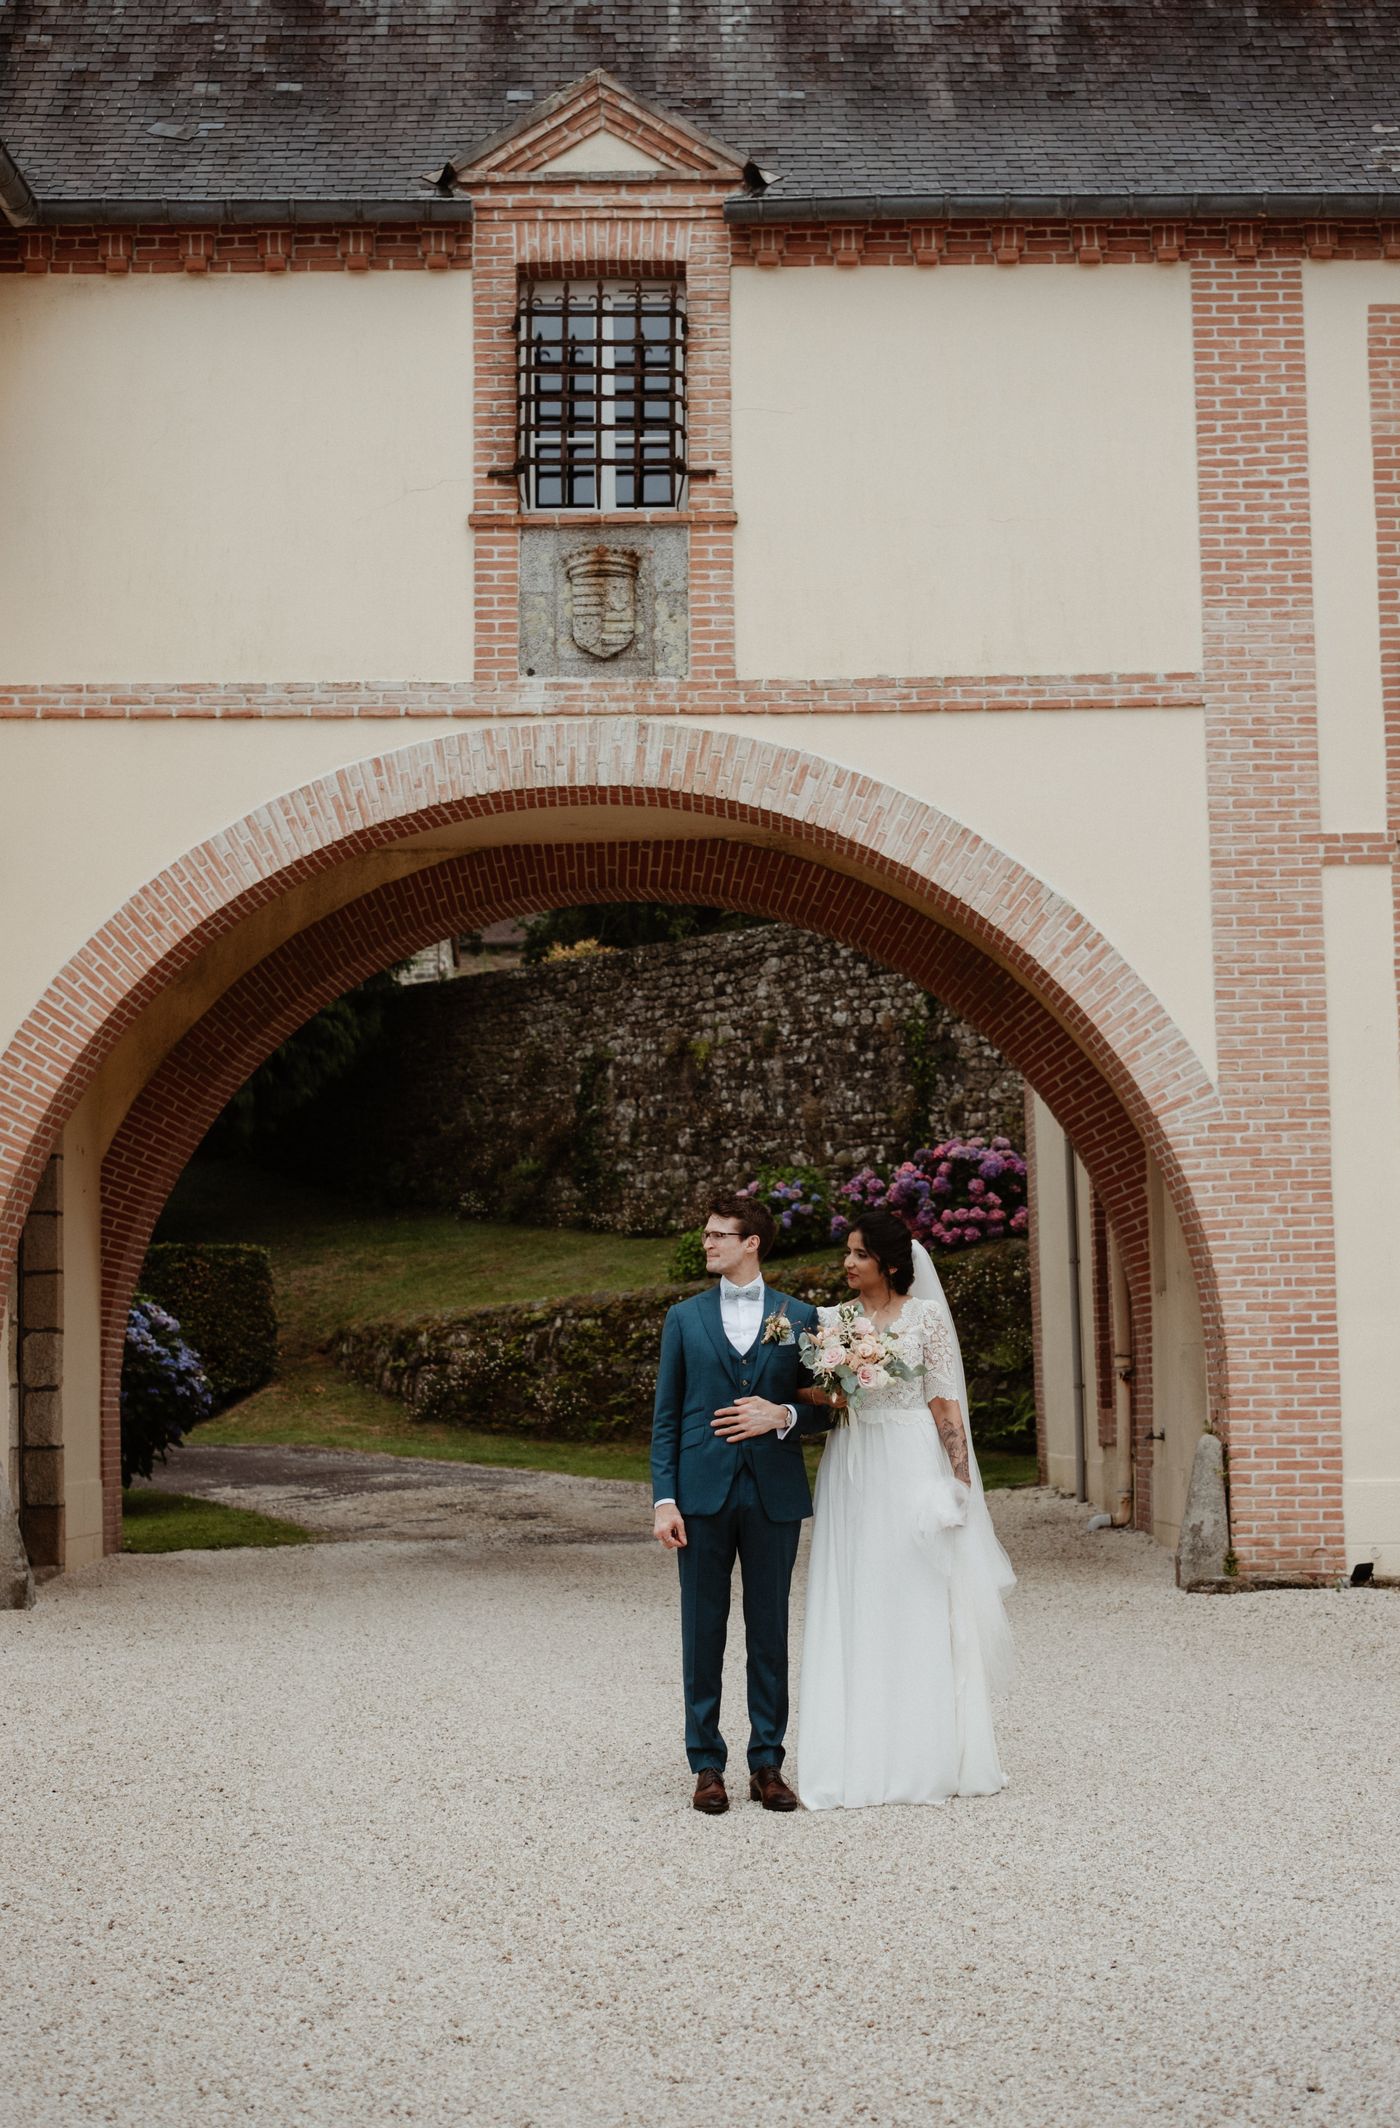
x: 983, y: 1572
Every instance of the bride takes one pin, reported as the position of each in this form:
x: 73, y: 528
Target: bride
x: 906, y: 1636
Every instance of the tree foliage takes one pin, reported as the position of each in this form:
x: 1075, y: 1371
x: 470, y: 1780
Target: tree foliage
x: 626, y: 923
x: 315, y: 1056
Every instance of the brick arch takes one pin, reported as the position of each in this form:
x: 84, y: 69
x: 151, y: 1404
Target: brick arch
x: 486, y: 771
x: 170, y: 1116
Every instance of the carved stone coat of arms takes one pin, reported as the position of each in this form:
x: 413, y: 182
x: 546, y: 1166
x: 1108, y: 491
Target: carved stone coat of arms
x: 603, y: 599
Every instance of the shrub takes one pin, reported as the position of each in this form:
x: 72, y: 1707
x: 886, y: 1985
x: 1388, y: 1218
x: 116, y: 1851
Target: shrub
x: 164, y: 1389
x: 800, y: 1202
x: 579, y: 1370
x: 221, y: 1292
x: 950, y: 1196
x: 688, y: 1259
x: 582, y: 949
x: 585, y: 1370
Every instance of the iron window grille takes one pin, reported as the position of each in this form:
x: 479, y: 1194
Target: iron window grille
x: 602, y: 395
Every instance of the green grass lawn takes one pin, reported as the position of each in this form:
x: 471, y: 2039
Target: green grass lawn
x: 175, y: 1522
x: 335, y: 1265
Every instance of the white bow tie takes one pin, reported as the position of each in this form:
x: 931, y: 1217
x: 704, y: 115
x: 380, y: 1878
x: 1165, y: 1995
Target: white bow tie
x: 752, y: 1291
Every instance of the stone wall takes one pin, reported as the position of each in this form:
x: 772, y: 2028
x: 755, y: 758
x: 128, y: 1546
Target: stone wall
x: 615, y: 1091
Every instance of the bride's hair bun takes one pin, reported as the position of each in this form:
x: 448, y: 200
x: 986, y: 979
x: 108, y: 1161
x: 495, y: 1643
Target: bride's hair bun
x: 888, y: 1240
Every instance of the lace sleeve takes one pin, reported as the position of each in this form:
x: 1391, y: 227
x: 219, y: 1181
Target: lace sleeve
x: 940, y: 1374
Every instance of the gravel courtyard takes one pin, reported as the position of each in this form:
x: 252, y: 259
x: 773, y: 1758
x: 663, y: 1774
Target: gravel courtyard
x: 397, y: 1831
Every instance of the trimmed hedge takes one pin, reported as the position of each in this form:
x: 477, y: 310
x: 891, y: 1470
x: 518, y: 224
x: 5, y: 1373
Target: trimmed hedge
x: 585, y: 1369
x: 221, y: 1294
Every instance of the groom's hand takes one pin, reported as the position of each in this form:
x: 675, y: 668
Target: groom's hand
x: 751, y: 1416
x: 668, y: 1528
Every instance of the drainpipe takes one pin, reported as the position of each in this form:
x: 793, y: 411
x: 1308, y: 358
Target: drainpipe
x: 1076, y: 1330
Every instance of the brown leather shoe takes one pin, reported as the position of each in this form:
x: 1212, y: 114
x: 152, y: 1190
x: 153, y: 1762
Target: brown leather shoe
x: 767, y: 1786
x: 710, y: 1795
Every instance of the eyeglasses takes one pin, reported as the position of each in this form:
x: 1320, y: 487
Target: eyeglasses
x: 721, y: 1234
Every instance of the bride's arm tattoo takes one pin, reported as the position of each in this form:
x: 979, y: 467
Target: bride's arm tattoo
x: 947, y: 1417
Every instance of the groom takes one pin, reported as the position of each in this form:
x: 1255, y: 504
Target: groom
x: 728, y: 1480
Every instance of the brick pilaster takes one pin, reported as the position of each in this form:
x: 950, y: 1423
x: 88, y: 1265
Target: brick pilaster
x: 1275, y: 1238
x: 1384, y: 359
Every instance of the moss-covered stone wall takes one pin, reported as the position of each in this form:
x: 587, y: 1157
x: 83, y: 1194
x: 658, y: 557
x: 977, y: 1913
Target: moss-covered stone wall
x: 616, y: 1091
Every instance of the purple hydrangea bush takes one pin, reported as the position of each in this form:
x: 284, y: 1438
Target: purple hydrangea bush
x: 164, y: 1389
x: 950, y: 1196
x: 800, y: 1203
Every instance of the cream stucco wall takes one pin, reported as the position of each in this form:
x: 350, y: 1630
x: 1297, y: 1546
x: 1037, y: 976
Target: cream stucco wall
x: 245, y: 477
x: 1351, y: 729
x: 1065, y: 794
x: 1057, y: 1298
x: 977, y: 472
x: 1180, y: 1401
x: 600, y: 151
x: 1365, y: 1116
x: 1180, y: 1396
x: 1106, y: 806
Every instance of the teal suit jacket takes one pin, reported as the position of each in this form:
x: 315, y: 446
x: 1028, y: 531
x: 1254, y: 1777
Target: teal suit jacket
x: 699, y: 1372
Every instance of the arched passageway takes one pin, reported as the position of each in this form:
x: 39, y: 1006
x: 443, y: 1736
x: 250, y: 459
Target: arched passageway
x: 553, y: 809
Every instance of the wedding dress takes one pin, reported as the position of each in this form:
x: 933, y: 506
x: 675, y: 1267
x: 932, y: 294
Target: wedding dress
x: 906, y: 1638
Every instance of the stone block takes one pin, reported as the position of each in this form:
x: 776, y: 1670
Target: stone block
x: 43, y: 1242
x: 42, y: 1359
x: 659, y: 647
x: 43, y: 1529
x: 43, y: 1477
x: 1205, y: 1526
x: 43, y: 1418
x: 43, y: 1300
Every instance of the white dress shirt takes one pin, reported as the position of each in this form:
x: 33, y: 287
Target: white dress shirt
x: 741, y: 1315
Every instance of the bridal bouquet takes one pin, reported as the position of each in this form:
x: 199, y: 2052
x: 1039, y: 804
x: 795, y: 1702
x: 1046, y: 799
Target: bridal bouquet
x: 850, y: 1354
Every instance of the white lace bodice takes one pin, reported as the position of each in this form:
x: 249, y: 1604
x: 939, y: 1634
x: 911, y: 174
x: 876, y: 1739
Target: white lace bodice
x: 922, y: 1335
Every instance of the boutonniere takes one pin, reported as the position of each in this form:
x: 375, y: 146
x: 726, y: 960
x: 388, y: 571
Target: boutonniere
x: 777, y: 1330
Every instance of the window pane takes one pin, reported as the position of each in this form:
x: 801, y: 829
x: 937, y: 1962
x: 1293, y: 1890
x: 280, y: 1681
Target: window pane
x: 601, y: 407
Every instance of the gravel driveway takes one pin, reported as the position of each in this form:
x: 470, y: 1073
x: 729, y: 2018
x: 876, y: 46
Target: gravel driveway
x: 398, y: 1832
x: 346, y: 1497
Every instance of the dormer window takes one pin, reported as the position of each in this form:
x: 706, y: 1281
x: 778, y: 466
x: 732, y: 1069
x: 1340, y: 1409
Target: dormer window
x: 602, y: 395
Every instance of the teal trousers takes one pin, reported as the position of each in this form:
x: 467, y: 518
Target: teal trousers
x: 766, y: 1551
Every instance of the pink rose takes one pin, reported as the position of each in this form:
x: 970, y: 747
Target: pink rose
x: 867, y: 1375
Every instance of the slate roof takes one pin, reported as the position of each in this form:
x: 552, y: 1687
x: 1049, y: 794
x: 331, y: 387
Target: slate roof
x: 241, y: 107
